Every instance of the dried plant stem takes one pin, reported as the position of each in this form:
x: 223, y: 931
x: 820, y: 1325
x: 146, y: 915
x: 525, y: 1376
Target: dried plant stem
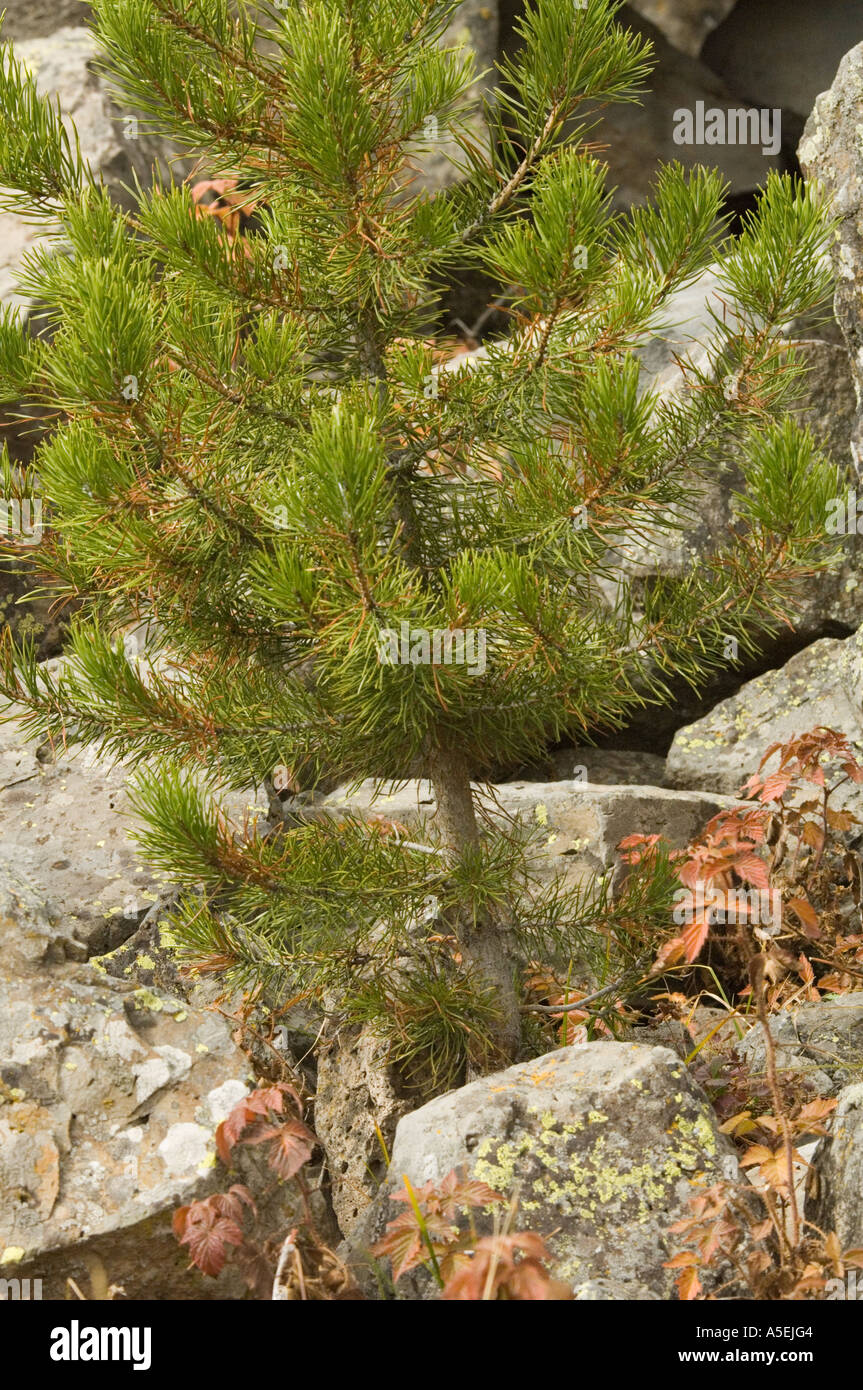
x: 288, y: 1247
x: 756, y: 975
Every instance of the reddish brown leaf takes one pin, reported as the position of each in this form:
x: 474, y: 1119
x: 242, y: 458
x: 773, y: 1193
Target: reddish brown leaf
x: 688, y: 1284
x: 805, y: 912
x: 293, y: 1147
x: 694, y: 936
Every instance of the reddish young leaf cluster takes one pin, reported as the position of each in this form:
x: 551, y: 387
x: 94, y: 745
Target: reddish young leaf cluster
x: 259, y: 1119
x: 732, y: 1238
x: 775, y: 847
x: 210, y: 1226
x: 507, y: 1265
x: 409, y: 1238
x: 637, y: 848
x: 801, y: 760
x: 725, y: 856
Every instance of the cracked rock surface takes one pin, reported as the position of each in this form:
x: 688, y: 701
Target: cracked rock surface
x: 110, y: 1096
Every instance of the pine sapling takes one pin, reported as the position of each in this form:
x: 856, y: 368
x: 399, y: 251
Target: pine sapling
x: 256, y: 460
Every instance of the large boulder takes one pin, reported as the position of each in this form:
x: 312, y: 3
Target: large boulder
x: 778, y: 55
x: 831, y: 154
x: 820, y: 686
x: 603, y: 1143
x: 66, y: 823
x: 635, y: 139
x: 579, y: 825
x: 64, y: 65
x: 685, y: 23
x: 109, y: 1101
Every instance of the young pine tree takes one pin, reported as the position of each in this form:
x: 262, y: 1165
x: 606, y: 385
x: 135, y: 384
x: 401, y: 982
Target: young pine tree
x: 251, y: 452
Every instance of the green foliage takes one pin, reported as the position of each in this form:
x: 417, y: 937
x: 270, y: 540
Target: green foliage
x: 41, y: 161
x: 428, y: 1018
x: 258, y: 458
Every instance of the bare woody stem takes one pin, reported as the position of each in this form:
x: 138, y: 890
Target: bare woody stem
x: 483, y: 940
x: 756, y: 976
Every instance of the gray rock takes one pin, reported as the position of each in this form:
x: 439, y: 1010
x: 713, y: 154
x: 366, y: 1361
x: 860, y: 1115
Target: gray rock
x: 31, y: 932
x: 604, y: 1143
x: 685, y: 23
x: 783, y: 55
x: 357, y: 1091
x: 63, y: 63
x: 820, y: 686
x: 831, y: 154
x: 109, y: 1101
x: 822, y: 1042
x: 827, y: 402
x: 62, y: 824
x: 149, y: 956
x: 609, y: 1291
x: 639, y: 138
x: 30, y: 19
x: 581, y: 825
x: 836, y: 1194
x: 66, y: 823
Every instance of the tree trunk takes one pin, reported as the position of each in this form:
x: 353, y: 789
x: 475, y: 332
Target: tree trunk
x: 483, y: 943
